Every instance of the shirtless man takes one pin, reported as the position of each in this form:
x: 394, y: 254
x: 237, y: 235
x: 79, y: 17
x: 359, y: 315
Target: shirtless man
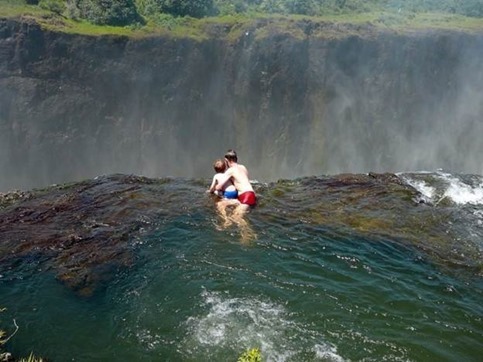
x: 238, y: 174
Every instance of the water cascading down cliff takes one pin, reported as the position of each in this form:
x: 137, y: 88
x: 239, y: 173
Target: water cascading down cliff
x: 74, y: 107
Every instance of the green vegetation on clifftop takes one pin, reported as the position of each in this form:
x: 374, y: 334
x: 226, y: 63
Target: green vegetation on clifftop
x: 198, y: 19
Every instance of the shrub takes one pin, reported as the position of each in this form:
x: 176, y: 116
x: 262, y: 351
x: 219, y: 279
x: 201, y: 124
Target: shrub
x: 273, y: 6
x: 56, y: 6
x: 108, y: 12
x: 471, y: 8
x: 193, y: 8
x: 303, y: 7
x: 72, y: 9
x: 148, y: 8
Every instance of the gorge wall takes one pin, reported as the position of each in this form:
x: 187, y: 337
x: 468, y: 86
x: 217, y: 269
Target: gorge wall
x: 74, y: 107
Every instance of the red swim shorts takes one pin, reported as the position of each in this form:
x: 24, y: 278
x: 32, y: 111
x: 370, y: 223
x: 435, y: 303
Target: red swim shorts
x: 248, y: 198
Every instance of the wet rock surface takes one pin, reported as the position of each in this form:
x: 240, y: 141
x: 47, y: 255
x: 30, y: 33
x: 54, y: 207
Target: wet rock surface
x: 87, y: 232
x: 83, y: 231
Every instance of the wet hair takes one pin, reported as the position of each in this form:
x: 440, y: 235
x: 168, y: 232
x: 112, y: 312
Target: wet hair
x: 230, y: 155
x: 219, y: 166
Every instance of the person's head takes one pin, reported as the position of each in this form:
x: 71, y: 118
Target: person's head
x: 219, y: 166
x: 230, y: 155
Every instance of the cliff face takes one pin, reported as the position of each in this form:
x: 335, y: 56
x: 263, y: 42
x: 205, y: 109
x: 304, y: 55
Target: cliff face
x: 73, y: 107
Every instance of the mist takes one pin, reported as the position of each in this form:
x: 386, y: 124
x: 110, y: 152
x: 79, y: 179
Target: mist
x: 74, y: 107
x: 422, y: 109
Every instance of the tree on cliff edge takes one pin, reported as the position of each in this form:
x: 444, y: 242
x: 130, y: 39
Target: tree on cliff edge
x: 107, y: 12
x: 193, y: 8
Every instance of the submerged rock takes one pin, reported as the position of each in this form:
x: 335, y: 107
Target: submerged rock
x: 83, y: 231
x: 87, y: 232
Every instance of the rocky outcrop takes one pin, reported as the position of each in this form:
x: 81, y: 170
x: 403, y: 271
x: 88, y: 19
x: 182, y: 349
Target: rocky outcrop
x: 73, y: 107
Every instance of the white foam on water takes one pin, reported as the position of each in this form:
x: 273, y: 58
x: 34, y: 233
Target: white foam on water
x: 462, y: 193
x: 452, y: 188
x: 465, y: 194
x: 421, y: 186
x: 327, y: 353
x: 244, y: 323
x: 425, y: 189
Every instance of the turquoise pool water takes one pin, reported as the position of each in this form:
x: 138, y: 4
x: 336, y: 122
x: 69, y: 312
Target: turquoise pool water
x: 299, y: 291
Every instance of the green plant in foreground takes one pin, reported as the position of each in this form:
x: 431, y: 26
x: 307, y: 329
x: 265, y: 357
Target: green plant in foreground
x: 3, y: 334
x: 32, y: 358
x: 4, y: 339
x: 251, y: 355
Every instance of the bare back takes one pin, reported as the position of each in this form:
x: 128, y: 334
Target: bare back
x: 239, y: 176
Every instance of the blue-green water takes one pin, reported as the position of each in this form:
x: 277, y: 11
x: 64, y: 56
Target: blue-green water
x: 299, y: 291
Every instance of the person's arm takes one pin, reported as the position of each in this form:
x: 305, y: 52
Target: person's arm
x: 223, y: 179
x: 213, y: 184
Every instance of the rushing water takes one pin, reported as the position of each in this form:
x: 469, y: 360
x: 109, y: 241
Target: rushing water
x: 304, y: 286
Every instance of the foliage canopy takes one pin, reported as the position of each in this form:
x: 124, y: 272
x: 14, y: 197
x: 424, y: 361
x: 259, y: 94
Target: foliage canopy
x: 104, y: 12
x: 131, y: 12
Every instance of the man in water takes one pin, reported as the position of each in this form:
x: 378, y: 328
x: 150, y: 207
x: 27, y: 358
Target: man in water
x: 238, y: 174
